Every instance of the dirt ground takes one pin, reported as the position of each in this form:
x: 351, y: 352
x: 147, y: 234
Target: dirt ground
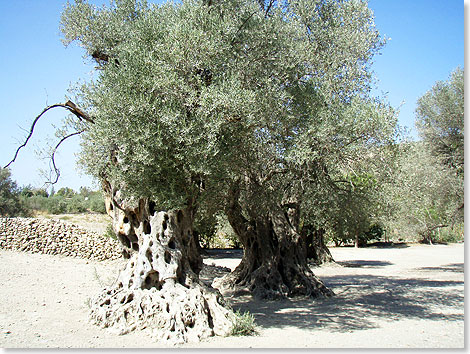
x: 403, y: 297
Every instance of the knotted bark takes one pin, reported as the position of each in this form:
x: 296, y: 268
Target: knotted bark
x: 159, y: 289
x: 274, y: 263
x: 317, y: 252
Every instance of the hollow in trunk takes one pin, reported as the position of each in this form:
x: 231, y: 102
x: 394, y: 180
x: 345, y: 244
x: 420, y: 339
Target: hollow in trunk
x: 159, y: 289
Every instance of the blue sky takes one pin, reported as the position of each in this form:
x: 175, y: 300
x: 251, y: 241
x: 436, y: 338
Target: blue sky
x: 427, y: 43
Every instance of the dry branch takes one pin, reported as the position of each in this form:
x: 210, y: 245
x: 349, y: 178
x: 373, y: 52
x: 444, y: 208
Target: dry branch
x: 56, y: 170
x: 70, y: 106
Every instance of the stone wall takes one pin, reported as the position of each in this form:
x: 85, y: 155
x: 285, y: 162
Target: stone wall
x: 56, y: 237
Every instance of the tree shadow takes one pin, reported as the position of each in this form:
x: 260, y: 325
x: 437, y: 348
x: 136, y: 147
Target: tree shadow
x: 453, y: 267
x: 210, y: 271
x: 359, y: 302
x: 364, y: 264
x: 381, y: 244
x: 219, y: 253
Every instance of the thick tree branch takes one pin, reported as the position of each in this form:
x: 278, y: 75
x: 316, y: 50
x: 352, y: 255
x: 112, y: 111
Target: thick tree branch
x: 69, y: 105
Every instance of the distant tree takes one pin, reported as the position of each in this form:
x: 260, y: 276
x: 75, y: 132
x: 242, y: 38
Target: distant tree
x: 10, y: 203
x: 41, y: 192
x: 27, y: 191
x: 355, y: 209
x: 440, y: 120
x: 66, y: 192
x: 426, y: 195
x: 85, y: 192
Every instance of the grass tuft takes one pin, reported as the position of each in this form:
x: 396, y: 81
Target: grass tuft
x: 243, y: 324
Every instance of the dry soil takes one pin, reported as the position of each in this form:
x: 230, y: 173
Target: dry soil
x: 410, y: 296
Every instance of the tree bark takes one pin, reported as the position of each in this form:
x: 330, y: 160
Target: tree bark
x: 159, y: 289
x: 317, y: 252
x: 274, y: 263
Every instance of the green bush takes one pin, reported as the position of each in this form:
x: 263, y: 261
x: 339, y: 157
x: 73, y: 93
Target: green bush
x: 243, y: 324
x: 95, y: 202
x: 56, y: 205
x: 448, y: 234
x: 375, y: 232
x: 11, y: 203
x: 110, y: 232
x: 64, y: 201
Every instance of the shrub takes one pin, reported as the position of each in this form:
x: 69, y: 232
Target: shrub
x: 110, y: 232
x: 243, y: 324
x: 95, y: 202
x: 448, y: 234
x: 56, y: 205
x: 10, y: 202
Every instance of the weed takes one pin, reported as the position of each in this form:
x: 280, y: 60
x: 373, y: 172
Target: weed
x: 243, y: 324
x: 97, y: 277
x: 110, y: 232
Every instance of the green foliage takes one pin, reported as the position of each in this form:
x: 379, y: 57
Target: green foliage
x: 56, y: 205
x: 10, y: 202
x: 110, y: 232
x: 440, y: 120
x: 243, y: 324
x: 66, y: 200
x: 65, y: 192
x: 215, y: 231
x: 214, y: 91
x: 95, y: 202
x: 449, y: 234
x: 352, y: 212
x: 425, y: 195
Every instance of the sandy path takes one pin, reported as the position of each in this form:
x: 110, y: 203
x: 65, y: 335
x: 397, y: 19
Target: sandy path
x: 399, y: 297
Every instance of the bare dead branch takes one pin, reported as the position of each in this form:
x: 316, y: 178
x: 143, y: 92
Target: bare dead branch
x: 72, y: 107
x: 268, y: 8
x: 69, y: 105
x: 56, y: 170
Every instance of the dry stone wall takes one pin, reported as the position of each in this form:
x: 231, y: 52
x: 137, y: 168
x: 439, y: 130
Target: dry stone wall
x: 56, y: 237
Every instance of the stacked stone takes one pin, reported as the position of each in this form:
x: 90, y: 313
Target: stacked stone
x: 56, y: 237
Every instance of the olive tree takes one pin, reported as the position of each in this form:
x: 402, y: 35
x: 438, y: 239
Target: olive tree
x: 10, y: 202
x: 428, y: 191
x: 243, y: 106
x: 425, y: 195
x: 440, y: 120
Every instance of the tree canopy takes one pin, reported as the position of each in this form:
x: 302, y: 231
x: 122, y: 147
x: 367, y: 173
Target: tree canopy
x: 440, y: 120
x: 207, y: 92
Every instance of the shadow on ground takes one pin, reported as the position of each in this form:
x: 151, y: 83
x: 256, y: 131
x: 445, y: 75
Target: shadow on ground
x: 454, y: 268
x: 381, y: 244
x: 359, y: 300
x: 219, y: 253
x: 364, y: 264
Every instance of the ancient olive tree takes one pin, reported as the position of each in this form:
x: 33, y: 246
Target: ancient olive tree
x: 238, y: 105
x: 167, y: 92
x: 317, y: 124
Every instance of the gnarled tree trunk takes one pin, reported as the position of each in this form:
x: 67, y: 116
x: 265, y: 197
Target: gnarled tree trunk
x: 274, y: 263
x: 159, y: 289
x: 317, y: 252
